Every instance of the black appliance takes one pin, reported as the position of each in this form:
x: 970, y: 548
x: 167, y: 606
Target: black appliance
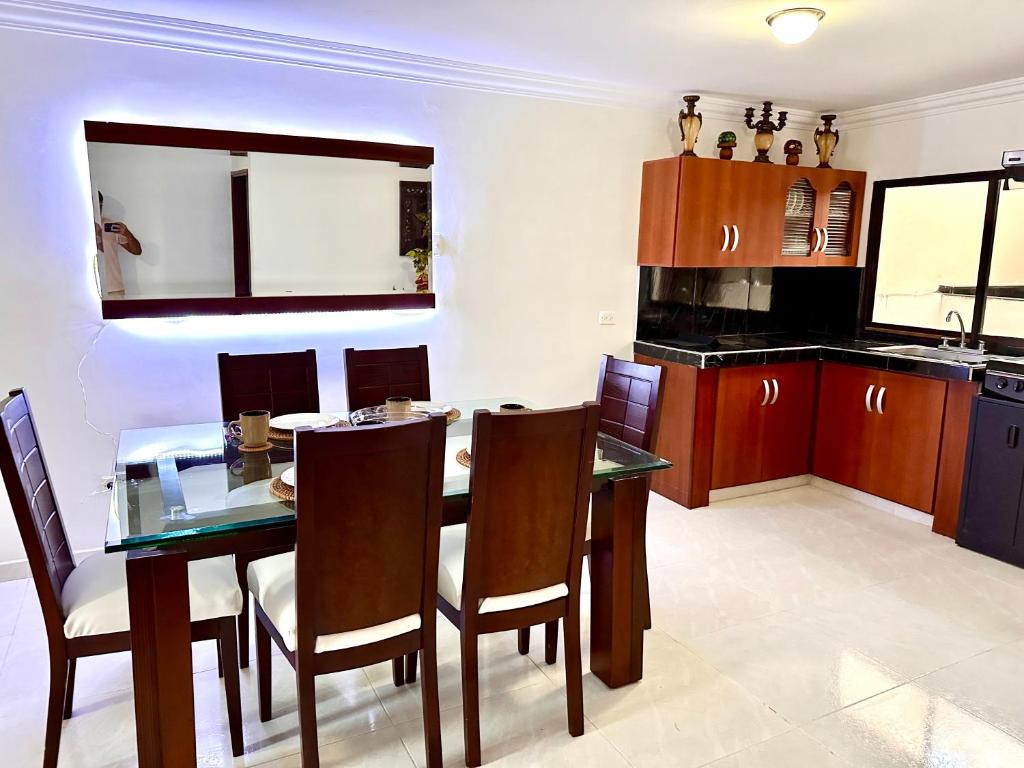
x: 992, y: 505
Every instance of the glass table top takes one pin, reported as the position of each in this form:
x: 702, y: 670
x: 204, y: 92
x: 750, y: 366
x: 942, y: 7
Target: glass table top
x: 173, y: 484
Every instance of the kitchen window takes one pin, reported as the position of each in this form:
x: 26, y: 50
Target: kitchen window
x: 939, y: 244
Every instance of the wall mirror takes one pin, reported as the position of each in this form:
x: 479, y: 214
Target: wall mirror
x: 191, y: 221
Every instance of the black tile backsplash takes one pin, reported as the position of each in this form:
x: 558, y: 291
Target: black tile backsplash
x: 701, y: 304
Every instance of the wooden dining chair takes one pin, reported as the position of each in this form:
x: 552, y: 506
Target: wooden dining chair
x: 630, y: 396
x: 518, y: 560
x: 279, y: 382
x: 361, y: 586
x: 85, y: 605
x: 373, y: 375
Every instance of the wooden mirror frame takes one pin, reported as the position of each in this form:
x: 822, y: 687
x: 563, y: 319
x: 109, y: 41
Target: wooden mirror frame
x: 408, y: 156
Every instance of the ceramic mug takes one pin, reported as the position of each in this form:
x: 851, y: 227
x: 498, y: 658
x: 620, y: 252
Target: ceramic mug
x: 511, y: 408
x: 252, y: 427
x: 398, y: 404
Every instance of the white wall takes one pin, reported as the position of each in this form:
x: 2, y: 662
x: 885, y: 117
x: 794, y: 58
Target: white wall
x: 326, y: 225
x: 177, y: 202
x: 536, y: 202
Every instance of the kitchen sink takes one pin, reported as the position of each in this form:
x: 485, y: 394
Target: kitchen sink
x: 953, y: 354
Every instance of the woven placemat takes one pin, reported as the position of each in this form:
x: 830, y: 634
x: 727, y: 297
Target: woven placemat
x: 463, y: 458
x: 453, y: 415
x: 254, y: 449
x: 282, y: 490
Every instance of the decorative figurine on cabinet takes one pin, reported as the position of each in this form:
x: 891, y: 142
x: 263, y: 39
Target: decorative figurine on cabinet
x: 793, y: 149
x: 826, y: 140
x: 726, y: 142
x: 690, y: 121
x: 765, y: 129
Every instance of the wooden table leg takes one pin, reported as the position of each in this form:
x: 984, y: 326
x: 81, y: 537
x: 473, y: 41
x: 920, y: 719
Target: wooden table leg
x: 618, y: 526
x: 162, y: 658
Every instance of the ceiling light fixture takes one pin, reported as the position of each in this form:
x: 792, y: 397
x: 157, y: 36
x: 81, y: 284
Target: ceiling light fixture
x: 794, y: 25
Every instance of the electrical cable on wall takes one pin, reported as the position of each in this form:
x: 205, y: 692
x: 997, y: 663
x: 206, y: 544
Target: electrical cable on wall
x: 85, y: 398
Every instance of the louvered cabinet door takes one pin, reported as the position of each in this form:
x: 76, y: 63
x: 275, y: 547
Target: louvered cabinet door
x: 801, y: 236
x: 841, y: 205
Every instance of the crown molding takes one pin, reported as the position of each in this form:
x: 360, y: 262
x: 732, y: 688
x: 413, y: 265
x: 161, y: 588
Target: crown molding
x: 975, y: 97
x: 78, y: 21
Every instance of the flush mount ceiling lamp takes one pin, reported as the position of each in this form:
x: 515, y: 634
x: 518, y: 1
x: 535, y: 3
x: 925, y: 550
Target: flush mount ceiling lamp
x: 794, y: 25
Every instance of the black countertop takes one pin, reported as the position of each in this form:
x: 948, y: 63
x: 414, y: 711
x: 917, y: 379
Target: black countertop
x: 765, y: 349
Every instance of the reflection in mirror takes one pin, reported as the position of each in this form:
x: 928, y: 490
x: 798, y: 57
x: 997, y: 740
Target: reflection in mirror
x: 176, y: 222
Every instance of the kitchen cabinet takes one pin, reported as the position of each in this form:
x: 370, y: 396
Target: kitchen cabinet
x: 763, y: 423
x: 880, y: 432
x: 704, y: 212
x: 993, y: 508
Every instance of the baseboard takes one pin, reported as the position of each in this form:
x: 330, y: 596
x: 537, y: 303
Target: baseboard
x: 12, y: 570
x: 753, y: 489
x: 876, y: 502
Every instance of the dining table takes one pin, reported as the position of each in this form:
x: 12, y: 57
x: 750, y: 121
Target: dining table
x: 189, y: 492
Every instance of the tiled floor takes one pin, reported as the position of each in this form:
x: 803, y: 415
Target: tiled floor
x: 796, y: 629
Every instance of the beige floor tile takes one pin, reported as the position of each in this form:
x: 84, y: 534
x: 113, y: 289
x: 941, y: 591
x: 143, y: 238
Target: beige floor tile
x: 382, y: 748
x: 790, y: 750
x: 12, y: 594
x: 800, y: 672
x: 910, y: 728
x: 990, y: 685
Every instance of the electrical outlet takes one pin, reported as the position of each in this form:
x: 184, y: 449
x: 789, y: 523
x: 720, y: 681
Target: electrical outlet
x: 106, y: 483
x: 606, y: 317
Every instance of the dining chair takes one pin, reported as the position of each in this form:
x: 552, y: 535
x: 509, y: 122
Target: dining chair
x: 630, y: 396
x: 518, y: 559
x: 85, y: 605
x: 373, y: 375
x: 361, y: 586
x: 279, y: 382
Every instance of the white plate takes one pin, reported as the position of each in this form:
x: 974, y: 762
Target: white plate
x: 251, y: 495
x: 432, y: 405
x: 288, y: 477
x: 293, y: 420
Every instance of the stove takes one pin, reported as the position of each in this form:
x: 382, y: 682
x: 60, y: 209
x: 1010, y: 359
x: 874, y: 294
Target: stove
x: 1004, y: 380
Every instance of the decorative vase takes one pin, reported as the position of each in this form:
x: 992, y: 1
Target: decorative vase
x: 826, y: 140
x: 765, y: 129
x: 793, y: 149
x: 422, y: 281
x: 726, y: 142
x: 690, y: 121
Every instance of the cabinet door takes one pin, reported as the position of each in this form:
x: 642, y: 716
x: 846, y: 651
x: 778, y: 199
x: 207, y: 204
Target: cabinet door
x: 708, y: 190
x: 845, y: 430
x: 800, y: 234
x: 743, y: 395
x: 752, y: 214
x: 995, y: 482
x: 659, y: 202
x: 842, y: 200
x: 788, y: 420
x: 904, y: 457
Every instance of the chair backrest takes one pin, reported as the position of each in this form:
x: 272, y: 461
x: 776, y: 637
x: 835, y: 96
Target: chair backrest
x: 280, y: 382
x: 373, y: 375
x: 35, y: 507
x: 630, y: 398
x: 530, y: 480
x: 368, y: 520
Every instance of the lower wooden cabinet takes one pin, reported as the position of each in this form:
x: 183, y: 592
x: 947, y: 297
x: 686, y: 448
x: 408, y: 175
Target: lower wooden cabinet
x: 763, y: 423
x: 880, y: 432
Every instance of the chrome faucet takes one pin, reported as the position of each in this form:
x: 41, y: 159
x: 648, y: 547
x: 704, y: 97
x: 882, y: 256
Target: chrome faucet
x: 963, y: 333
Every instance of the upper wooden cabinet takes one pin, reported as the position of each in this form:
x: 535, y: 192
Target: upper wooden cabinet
x: 701, y: 212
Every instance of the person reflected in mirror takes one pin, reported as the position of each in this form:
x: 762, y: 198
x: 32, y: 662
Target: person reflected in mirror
x: 111, y: 236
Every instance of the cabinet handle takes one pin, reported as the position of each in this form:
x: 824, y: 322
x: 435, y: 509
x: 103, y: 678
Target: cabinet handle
x: 775, y: 397
x: 1012, y: 436
x: 725, y: 237
x: 824, y: 246
x: 867, y: 397
x: 735, y: 238
x: 817, y: 240
x: 764, y: 398
x: 879, y: 401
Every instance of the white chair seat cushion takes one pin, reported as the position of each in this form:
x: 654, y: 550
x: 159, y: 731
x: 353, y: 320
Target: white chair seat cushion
x: 95, y: 595
x: 452, y: 561
x: 272, y: 583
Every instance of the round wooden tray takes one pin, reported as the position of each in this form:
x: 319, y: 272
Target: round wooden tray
x: 282, y: 490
